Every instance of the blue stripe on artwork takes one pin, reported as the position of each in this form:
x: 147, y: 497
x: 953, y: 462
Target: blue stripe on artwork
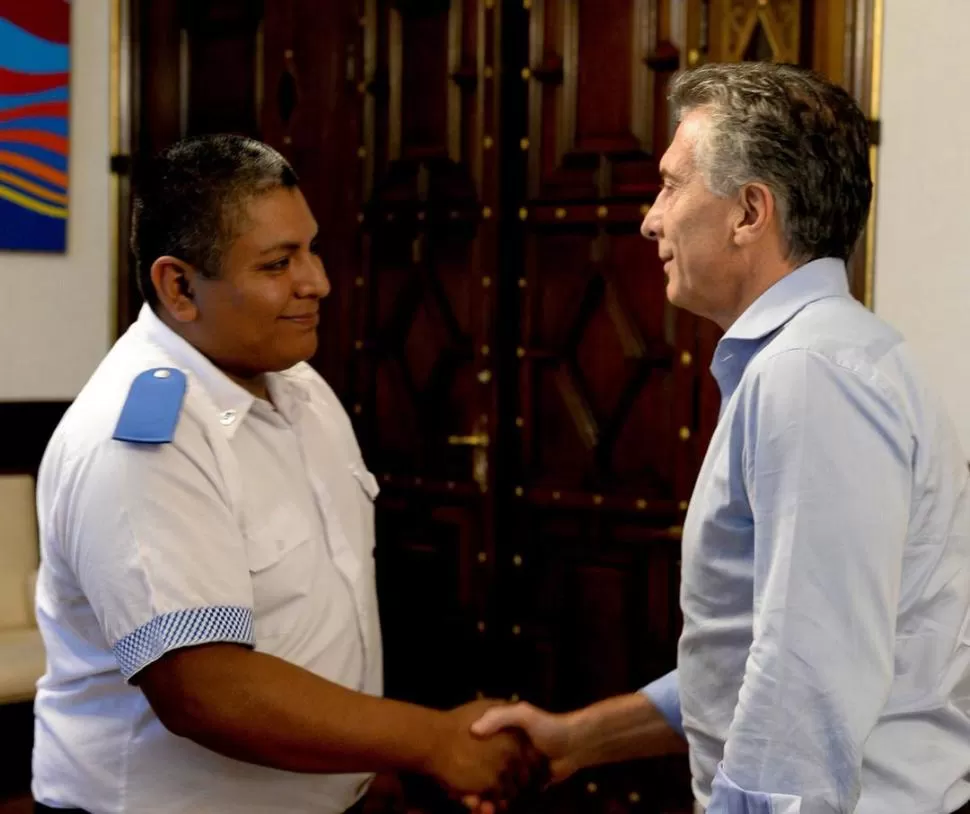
x: 49, y: 124
x: 14, y: 100
x: 32, y: 178
x: 23, y: 230
x: 48, y: 157
x: 22, y: 52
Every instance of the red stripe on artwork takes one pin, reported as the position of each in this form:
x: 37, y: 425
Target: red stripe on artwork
x: 42, y: 109
x: 32, y: 167
x: 11, y: 82
x: 49, y: 141
x: 48, y: 19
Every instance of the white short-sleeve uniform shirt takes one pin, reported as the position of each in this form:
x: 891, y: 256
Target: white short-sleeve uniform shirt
x: 254, y: 525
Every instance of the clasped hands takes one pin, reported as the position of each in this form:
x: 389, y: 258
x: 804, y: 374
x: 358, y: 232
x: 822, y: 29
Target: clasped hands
x: 495, y: 753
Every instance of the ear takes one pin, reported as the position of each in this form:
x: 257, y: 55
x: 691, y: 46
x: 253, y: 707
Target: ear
x: 174, y: 282
x: 755, y: 214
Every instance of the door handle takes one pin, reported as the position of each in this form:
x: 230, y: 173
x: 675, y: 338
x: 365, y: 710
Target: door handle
x: 479, y: 440
x: 479, y: 445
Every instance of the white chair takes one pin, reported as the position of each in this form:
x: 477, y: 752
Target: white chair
x: 22, y: 659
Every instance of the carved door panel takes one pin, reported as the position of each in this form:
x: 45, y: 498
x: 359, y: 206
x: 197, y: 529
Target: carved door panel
x: 753, y: 30
x: 384, y: 111
x: 422, y: 378
x: 311, y: 113
x: 607, y: 433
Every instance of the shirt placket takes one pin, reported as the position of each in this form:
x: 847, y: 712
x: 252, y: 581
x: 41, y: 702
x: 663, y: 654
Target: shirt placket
x: 345, y: 559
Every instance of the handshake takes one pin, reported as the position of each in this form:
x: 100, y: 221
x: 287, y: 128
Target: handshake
x: 489, y: 753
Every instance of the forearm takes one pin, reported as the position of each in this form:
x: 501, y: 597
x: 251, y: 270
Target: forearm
x: 627, y: 727
x: 260, y: 709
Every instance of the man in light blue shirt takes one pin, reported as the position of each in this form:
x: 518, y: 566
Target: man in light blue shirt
x: 824, y: 664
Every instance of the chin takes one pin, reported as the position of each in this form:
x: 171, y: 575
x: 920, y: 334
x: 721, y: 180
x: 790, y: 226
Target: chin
x: 679, y: 298
x: 673, y: 292
x: 289, y: 357
x: 306, y: 356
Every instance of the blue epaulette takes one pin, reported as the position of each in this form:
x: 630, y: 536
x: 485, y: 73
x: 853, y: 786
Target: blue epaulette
x: 152, y: 409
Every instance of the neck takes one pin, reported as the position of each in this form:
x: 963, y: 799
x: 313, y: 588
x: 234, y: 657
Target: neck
x: 252, y: 383
x: 756, y: 282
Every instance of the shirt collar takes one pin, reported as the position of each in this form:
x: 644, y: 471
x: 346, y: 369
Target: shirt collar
x: 816, y: 280
x: 232, y: 401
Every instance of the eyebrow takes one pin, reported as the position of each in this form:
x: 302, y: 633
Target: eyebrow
x: 287, y: 245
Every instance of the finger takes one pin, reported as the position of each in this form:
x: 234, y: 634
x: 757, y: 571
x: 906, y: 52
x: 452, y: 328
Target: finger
x: 540, y: 771
x: 501, y: 717
x: 559, y: 770
x: 476, y: 805
x: 515, y: 777
x: 508, y: 786
x: 528, y: 762
x: 521, y: 766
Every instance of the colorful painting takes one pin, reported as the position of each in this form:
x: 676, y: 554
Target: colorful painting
x: 34, y: 71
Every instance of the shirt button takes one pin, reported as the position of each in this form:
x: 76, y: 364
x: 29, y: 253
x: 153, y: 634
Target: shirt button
x: 227, y: 417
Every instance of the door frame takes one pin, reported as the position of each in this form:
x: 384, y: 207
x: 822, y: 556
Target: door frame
x: 123, y: 100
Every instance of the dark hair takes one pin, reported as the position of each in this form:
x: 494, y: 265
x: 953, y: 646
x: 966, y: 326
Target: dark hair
x: 794, y: 131
x: 190, y: 200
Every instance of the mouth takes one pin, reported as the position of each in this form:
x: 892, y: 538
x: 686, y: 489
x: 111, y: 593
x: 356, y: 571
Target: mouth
x: 310, y: 320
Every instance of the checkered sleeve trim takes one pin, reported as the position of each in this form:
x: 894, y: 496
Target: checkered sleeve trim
x: 182, y: 628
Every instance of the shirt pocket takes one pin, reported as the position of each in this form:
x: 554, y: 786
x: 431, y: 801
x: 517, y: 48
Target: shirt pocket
x: 282, y: 562
x: 367, y: 482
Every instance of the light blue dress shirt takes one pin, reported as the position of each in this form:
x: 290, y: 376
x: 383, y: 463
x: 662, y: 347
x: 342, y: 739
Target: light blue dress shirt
x: 824, y: 664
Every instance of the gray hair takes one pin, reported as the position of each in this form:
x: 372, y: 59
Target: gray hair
x: 793, y: 131
x: 190, y: 201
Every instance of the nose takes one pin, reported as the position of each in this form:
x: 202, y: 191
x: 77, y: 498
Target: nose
x: 313, y: 282
x: 652, y: 223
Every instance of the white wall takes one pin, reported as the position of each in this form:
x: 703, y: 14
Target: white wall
x: 56, y: 311
x: 922, y: 266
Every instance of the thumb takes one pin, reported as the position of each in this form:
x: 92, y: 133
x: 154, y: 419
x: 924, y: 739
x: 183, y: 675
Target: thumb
x: 503, y: 717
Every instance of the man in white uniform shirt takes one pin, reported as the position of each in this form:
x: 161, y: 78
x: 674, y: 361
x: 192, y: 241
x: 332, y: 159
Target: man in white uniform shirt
x: 206, y: 594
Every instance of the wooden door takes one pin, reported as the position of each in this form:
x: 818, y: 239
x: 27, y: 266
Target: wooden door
x: 533, y: 408
x: 176, y: 53
x: 422, y: 371
x: 607, y: 425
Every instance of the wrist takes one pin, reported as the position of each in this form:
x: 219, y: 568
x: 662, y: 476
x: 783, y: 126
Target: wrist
x: 433, y: 746
x: 580, y: 728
